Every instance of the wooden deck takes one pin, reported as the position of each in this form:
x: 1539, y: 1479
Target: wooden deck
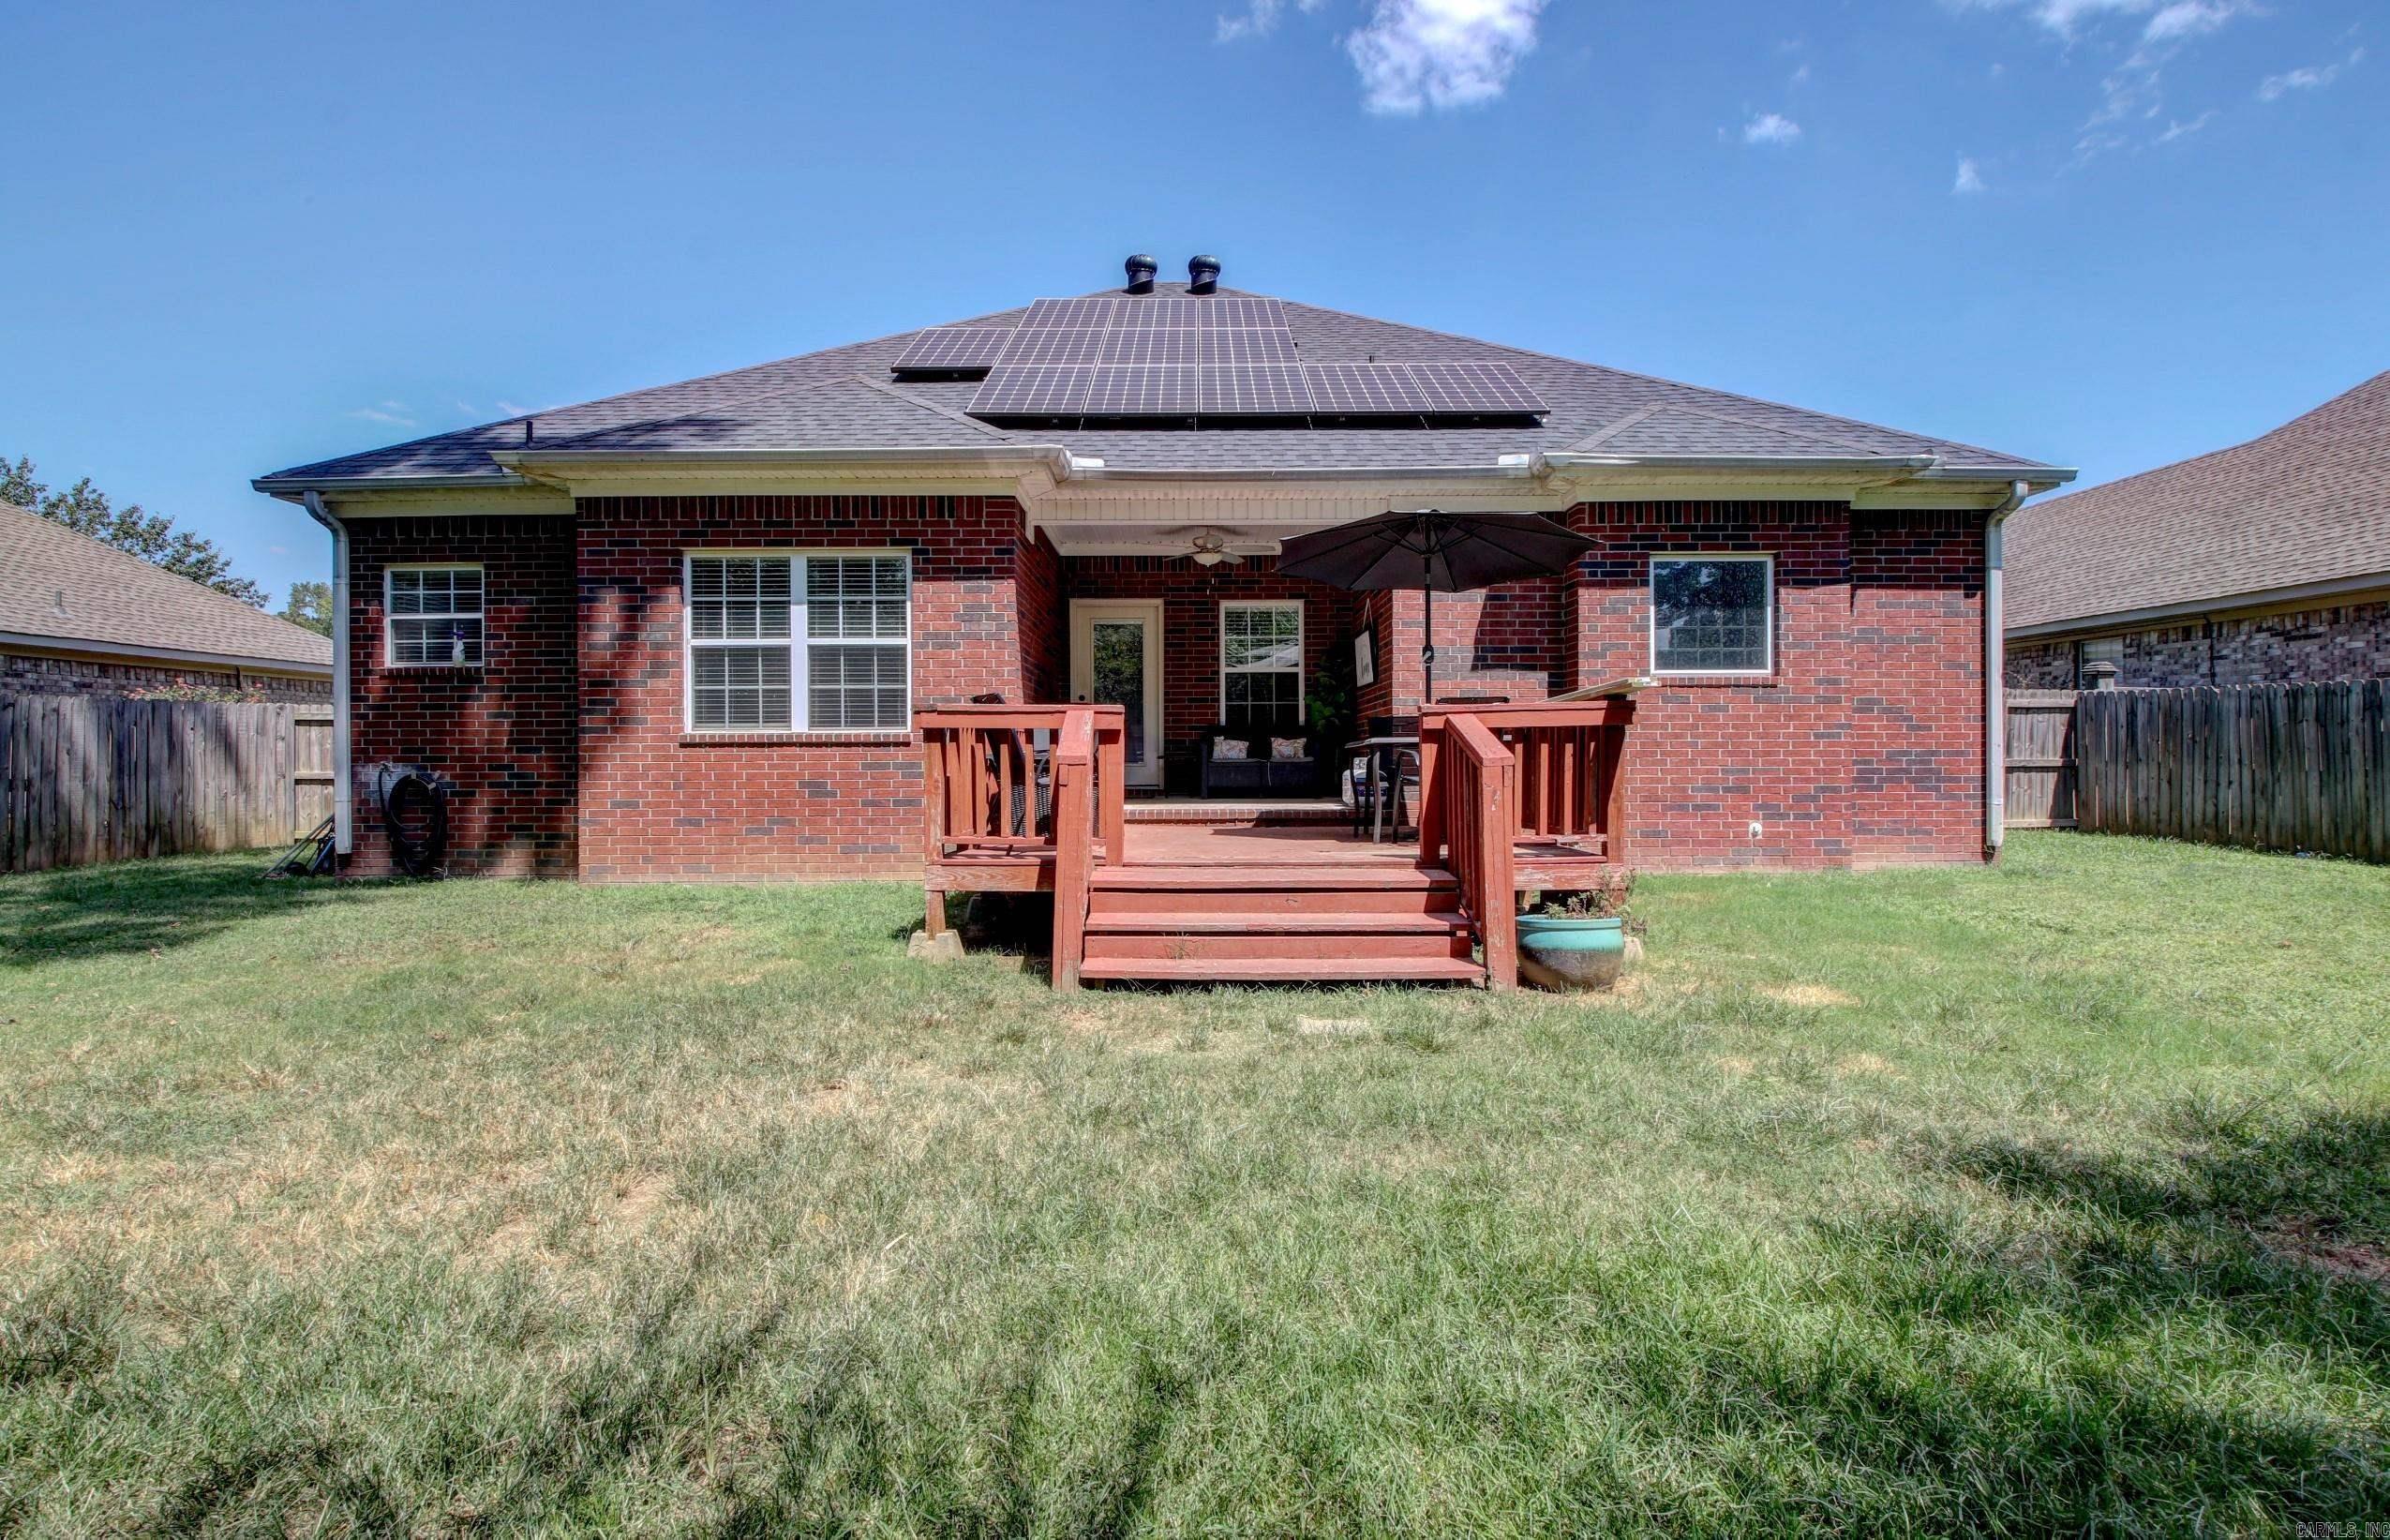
x: 1512, y: 799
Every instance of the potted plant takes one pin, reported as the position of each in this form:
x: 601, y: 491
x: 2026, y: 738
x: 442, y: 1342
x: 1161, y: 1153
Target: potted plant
x: 1578, y: 940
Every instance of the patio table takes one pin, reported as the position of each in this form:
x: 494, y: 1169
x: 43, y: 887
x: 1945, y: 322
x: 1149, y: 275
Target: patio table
x: 1383, y: 750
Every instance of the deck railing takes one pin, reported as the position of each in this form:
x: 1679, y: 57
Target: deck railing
x: 1521, y: 797
x: 1480, y: 782
x: 1021, y: 798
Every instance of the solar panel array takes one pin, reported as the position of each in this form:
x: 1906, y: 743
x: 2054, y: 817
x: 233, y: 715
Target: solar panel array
x: 1480, y: 389
x: 1170, y: 355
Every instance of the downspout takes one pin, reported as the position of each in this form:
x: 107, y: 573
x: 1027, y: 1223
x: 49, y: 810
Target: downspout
x: 1996, y: 697
x: 343, y: 794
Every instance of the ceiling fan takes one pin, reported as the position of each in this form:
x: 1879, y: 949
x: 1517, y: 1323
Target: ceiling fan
x: 1207, y: 548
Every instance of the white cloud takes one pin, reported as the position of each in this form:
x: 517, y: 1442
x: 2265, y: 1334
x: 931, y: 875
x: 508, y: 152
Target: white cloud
x: 1259, y: 20
x: 1440, y: 53
x: 2311, y: 78
x: 277, y: 550
x: 513, y: 411
x: 1969, y: 179
x: 392, y: 413
x: 1770, y: 128
x: 2168, y: 18
x: 1800, y: 76
x: 2184, y: 130
x: 2190, y: 18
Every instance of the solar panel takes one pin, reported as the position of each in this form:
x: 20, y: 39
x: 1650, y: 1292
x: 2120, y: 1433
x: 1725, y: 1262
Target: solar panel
x: 1094, y: 314
x: 1248, y: 345
x: 1241, y: 310
x: 1254, y: 389
x: 1141, y: 392
x: 1161, y: 312
x: 1017, y: 390
x: 1477, y: 387
x: 1158, y: 347
x: 1078, y: 347
x: 954, y: 347
x: 1366, y: 388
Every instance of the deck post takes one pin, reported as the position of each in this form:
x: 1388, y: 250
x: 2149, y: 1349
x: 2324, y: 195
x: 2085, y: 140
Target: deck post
x: 1431, y: 790
x: 1112, y: 749
x: 1074, y: 827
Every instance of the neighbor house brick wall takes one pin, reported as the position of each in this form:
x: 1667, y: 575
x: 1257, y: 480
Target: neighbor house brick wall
x: 658, y: 803
x: 2338, y: 642
x: 500, y: 736
x: 43, y: 674
x: 1852, y: 750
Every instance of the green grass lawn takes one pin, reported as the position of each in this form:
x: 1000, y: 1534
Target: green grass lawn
x: 2055, y: 1197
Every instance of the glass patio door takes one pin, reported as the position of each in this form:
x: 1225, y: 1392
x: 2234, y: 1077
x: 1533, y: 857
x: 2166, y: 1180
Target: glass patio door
x: 1116, y: 660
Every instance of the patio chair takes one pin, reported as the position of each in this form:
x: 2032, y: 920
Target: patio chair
x: 1395, y: 783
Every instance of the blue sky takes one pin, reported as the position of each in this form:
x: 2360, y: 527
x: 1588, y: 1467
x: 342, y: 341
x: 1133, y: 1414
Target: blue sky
x: 2103, y: 233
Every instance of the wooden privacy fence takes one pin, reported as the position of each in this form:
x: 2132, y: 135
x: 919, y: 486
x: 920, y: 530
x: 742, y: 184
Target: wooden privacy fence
x: 2041, y: 760
x: 100, y: 778
x: 2286, y: 766
x: 2280, y: 766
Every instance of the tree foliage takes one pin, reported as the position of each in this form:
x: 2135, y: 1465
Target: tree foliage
x: 86, y: 509
x: 311, y: 606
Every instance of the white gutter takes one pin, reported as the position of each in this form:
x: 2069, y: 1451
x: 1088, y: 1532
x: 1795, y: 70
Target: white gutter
x: 1996, y: 697
x: 1570, y: 460
x: 343, y: 794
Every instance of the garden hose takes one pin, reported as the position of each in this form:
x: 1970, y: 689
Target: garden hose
x: 418, y: 854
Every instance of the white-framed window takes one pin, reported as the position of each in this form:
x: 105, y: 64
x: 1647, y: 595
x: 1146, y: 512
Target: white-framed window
x: 1712, y: 612
x: 798, y: 641
x: 1261, y: 662
x: 431, y: 617
x: 2108, y: 650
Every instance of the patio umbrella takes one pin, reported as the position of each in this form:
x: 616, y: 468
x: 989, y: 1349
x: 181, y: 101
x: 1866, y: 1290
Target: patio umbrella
x: 1434, y: 551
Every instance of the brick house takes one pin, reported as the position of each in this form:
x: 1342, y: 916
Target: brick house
x: 2265, y: 564
x: 685, y: 633
x: 79, y: 617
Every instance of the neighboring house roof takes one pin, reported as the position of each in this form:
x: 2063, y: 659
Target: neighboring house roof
x: 2305, y: 505
x: 842, y: 398
x: 67, y: 590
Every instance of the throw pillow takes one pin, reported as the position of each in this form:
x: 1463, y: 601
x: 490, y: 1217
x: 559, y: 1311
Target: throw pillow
x: 1287, y: 748
x: 1228, y: 748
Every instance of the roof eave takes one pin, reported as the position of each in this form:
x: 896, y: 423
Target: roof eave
x: 2191, y: 609
x: 293, y: 488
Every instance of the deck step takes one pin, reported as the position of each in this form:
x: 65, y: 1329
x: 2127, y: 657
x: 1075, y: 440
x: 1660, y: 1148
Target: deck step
x: 1295, y: 922
x: 1218, y: 876
x: 1284, y: 969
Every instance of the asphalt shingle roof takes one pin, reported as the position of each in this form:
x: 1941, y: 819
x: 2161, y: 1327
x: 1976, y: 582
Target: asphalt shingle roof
x: 56, y: 583
x: 2309, y: 502
x: 842, y: 397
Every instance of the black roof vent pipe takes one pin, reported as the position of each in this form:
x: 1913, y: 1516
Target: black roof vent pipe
x: 1202, y: 275
x: 1141, y: 273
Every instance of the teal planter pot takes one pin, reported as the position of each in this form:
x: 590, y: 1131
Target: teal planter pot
x: 1572, y: 952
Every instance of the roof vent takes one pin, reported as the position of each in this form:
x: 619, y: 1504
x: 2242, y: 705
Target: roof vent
x: 1202, y: 275
x: 1141, y: 273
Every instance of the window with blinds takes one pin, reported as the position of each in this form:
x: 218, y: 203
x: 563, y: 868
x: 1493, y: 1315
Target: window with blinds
x: 818, y: 642
x: 432, y: 617
x: 1262, y: 664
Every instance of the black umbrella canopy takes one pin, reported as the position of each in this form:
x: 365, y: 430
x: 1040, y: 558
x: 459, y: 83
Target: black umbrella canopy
x: 1439, y: 552
x: 1426, y: 547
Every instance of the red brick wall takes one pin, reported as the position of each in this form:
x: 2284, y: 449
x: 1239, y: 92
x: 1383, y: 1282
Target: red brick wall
x: 1192, y: 597
x: 1917, y: 687
x: 1865, y: 744
x: 1045, y: 635
x: 659, y: 804
x: 501, y: 736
